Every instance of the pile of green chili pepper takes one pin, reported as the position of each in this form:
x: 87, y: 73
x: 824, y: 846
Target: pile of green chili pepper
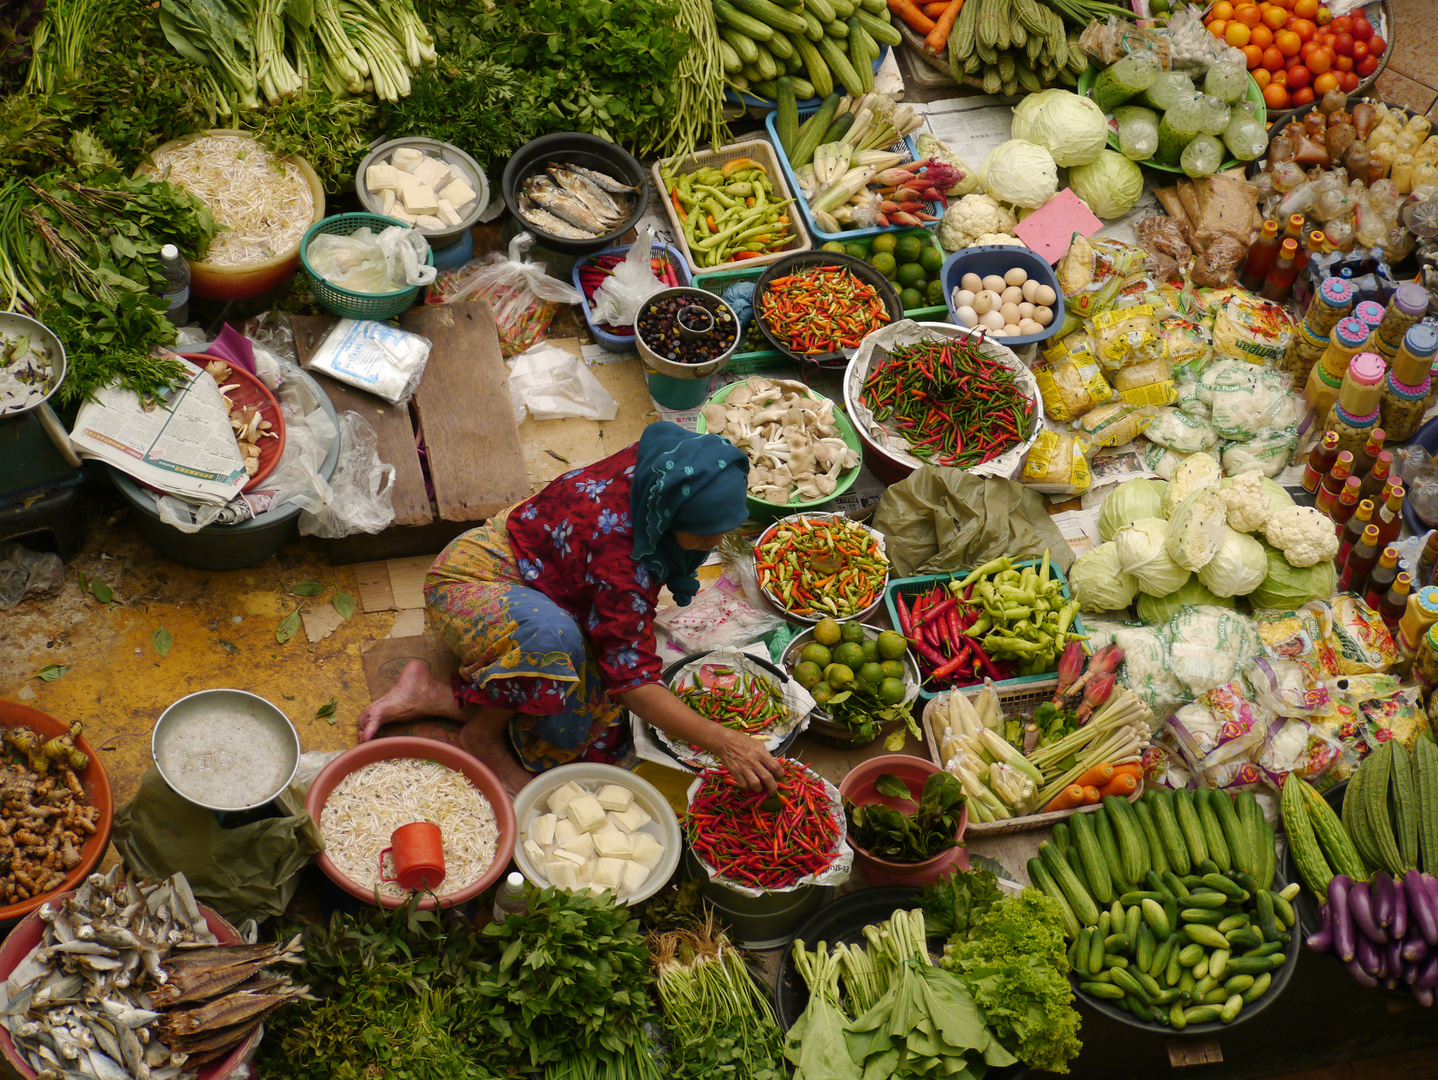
x: 752, y: 704
x: 821, y: 566
x: 821, y: 309
x: 764, y: 841
x: 730, y: 213
x: 952, y: 404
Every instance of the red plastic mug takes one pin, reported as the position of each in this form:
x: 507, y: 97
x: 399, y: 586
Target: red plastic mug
x: 418, y: 851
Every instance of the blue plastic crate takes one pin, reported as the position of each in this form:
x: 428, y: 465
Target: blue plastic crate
x: 914, y: 586
x: 614, y: 341
x: 906, y: 146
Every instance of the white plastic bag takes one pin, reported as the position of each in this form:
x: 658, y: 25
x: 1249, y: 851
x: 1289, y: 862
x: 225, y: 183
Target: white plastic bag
x: 554, y: 384
x: 370, y: 262
x: 362, y: 487
x: 373, y: 356
x: 618, y: 300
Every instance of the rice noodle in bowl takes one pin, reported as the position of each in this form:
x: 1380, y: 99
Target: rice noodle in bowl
x: 369, y: 804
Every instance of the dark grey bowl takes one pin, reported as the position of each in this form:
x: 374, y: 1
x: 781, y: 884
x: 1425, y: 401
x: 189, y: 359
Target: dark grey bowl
x: 575, y: 148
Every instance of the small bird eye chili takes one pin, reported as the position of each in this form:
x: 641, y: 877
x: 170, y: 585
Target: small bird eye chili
x: 751, y: 705
x: 821, y: 309
x: 821, y: 566
x: 952, y: 404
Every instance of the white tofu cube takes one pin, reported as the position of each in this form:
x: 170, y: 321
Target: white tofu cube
x: 400, y: 214
x: 459, y: 193
x: 614, y: 797
x: 381, y: 178
x: 407, y: 158
x: 562, y: 873
x: 635, y: 875
x: 564, y: 831
x: 534, y: 851
x: 403, y: 181
x: 647, y: 850
x: 611, y: 843
x: 434, y: 172
x: 430, y: 221
x: 570, y: 857
x: 586, y: 872
x: 561, y: 796
x: 420, y: 199
x: 581, y: 844
x: 633, y: 819
x: 386, y: 202
x: 586, y: 813
x: 608, y: 873
x: 447, y: 213
x: 542, y: 828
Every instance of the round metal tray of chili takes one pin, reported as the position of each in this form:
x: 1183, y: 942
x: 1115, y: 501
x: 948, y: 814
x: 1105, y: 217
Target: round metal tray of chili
x: 764, y: 841
x: 818, y: 311
x: 820, y: 566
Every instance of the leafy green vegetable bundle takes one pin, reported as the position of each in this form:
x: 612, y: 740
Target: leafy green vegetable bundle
x: 908, y: 836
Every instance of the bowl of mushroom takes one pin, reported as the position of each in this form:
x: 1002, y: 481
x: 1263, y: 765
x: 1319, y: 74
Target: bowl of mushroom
x: 254, y: 415
x: 803, y: 452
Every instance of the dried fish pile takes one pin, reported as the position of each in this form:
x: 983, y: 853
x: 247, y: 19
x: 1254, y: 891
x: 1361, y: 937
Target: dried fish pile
x: 574, y: 202
x: 793, y: 443
x: 246, y: 422
x: 129, y: 983
x: 44, y: 819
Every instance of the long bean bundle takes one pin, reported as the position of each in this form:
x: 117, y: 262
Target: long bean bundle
x: 950, y: 402
x: 698, y: 88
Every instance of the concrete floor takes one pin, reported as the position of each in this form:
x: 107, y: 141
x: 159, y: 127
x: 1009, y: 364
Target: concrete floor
x: 1411, y: 77
x: 224, y: 636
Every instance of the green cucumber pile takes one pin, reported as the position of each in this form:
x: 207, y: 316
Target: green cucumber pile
x: 815, y: 42
x: 1169, y: 905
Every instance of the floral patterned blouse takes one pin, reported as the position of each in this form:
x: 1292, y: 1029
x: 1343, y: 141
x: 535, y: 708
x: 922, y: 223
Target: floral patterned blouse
x: 573, y: 542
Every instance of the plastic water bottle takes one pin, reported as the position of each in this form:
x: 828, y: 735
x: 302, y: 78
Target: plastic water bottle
x: 510, y: 900
x: 176, y: 288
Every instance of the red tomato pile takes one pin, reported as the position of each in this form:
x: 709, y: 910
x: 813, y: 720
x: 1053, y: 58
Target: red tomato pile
x: 1296, y: 50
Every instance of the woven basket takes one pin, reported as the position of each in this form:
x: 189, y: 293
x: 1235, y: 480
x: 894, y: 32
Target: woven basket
x: 347, y: 303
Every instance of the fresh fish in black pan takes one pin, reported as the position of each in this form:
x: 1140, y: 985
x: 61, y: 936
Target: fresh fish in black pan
x: 588, y: 192
x: 547, y: 195
x: 604, y: 180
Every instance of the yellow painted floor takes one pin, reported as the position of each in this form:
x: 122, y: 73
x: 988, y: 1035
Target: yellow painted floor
x: 224, y: 636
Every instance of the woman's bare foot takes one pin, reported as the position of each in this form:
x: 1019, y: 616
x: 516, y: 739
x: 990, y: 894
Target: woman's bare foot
x: 417, y: 694
x: 484, y: 739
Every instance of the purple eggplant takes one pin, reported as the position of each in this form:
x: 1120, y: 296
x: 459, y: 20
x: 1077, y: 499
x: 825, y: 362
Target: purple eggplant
x: 1414, y: 949
x: 1369, y: 956
x: 1321, y: 940
x: 1428, y: 972
x: 1423, y: 995
x: 1410, y: 973
x: 1356, y: 970
x: 1360, y: 906
x: 1380, y: 894
x: 1393, y: 959
x: 1398, y: 928
x: 1422, y: 892
x: 1343, y: 932
x: 1390, y: 983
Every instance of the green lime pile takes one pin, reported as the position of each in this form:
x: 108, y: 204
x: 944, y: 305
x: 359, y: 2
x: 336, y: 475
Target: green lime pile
x: 910, y: 261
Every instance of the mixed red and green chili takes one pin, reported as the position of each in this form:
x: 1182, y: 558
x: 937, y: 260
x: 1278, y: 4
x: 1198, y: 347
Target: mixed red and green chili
x: 751, y: 705
x: 821, y: 309
x: 821, y: 566
x: 764, y: 841
x: 952, y: 404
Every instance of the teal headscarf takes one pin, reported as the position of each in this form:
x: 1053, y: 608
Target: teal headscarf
x: 693, y: 483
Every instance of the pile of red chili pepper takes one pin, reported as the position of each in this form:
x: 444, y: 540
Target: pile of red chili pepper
x: 597, y: 270
x: 935, y: 622
x: 764, y: 841
x: 821, y: 566
x: 820, y: 309
x: 750, y: 704
x: 952, y: 404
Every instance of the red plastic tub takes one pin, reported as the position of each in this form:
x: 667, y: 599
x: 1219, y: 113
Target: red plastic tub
x: 858, y: 787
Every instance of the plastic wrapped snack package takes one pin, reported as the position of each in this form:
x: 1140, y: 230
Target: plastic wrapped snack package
x: 1297, y: 746
x: 1288, y: 688
x: 1071, y: 383
x: 1056, y: 464
x: 1127, y: 335
x: 1362, y: 644
x: 1208, y: 646
x: 1252, y: 328
x: 1219, y: 725
x: 1190, y: 345
x: 1115, y: 424
x: 374, y: 356
x: 1093, y: 273
x: 1163, y: 763
x: 1182, y: 431
x: 1149, y: 382
x: 1302, y: 637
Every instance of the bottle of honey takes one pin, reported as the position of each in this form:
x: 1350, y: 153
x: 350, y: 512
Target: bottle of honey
x: 1332, y: 484
x: 1367, y: 456
x: 1423, y: 576
x: 1361, y: 520
x: 1260, y: 257
x: 1377, y: 477
x: 1381, y: 577
x: 1320, y: 459
x: 1361, y: 559
x: 1394, y: 602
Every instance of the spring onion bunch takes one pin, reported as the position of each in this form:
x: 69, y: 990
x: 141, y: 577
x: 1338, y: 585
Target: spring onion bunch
x: 1117, y: 733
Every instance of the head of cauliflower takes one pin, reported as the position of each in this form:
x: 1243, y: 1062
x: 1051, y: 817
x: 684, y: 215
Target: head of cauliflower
x: 1305, y: 536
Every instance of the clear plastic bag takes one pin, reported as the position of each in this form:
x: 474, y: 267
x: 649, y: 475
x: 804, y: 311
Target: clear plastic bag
x: 370, y: 262
x: 554, y: 384
x: 719, y: 616
x: 23, y: 572
x: 522, y: 295
x: 374, y: 356
x: 618, y: 300
x: 361, y: 489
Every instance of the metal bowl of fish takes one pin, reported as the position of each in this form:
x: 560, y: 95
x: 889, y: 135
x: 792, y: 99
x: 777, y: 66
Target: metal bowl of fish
x: 226, y: 750
x: 577, y: 193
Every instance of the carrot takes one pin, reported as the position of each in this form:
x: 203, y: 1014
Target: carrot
x: 1098, y: 776
x: 1090, y: 795
x: 938, y: 39
x: 936, y: 8
x: 1123, y: 785
x: 1066, y: 799
x: 906, y: 10
x: 1133, y: 768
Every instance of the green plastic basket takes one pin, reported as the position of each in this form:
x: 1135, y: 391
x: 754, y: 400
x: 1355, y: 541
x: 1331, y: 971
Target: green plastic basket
x: 347, y: 303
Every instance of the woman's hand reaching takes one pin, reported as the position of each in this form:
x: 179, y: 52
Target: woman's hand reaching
x: 745, y: 758
x: 749, y: 763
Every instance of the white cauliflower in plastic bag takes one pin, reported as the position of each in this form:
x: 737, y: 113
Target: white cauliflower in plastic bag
x: 1182, y: 431
x: 1161, y: 461
x: 1145, y: 669
x: 1198, y: 471
x: 1247, y: 401
x: 1209, y: 645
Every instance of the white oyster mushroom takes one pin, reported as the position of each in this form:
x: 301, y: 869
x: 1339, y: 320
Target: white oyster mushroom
x: 740, y: 395
x: 769, y: 416
x: 716, y: 417
x: 802, y: 461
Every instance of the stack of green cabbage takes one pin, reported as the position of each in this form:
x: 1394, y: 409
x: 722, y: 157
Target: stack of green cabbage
x: 1200, y: 539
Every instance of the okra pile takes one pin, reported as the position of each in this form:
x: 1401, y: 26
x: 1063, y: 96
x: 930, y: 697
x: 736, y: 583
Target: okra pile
x: 1169, y: 904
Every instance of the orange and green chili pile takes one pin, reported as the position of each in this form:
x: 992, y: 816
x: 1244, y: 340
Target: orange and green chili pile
x: 950, y: 402
x: 821, y: 309
x: 750, y: 705
x: 764, y: 841
x: 821, y: 566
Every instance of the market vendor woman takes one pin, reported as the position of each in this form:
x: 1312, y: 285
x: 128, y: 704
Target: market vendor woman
x: 550, y: 609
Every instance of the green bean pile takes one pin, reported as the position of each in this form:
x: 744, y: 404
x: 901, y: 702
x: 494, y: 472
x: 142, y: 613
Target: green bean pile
x: 698, y: 86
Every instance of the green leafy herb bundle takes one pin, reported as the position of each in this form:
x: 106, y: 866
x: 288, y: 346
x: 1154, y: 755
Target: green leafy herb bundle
x: 908, y: 837
x: 860, y: 710
x: 1009, y: 951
